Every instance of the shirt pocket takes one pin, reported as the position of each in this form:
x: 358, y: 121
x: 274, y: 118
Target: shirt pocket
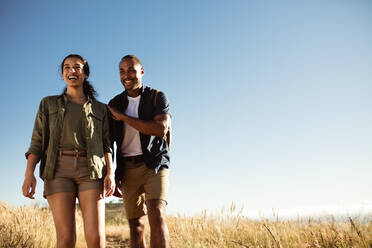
x: 95, y: 124
x: 95, y: 137
x: 53, y: 117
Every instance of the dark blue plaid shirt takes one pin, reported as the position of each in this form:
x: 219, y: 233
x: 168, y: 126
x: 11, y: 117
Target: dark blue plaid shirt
x: 155, y: 150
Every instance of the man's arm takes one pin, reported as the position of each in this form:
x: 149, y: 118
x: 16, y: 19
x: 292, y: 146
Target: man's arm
x: 157, y: 127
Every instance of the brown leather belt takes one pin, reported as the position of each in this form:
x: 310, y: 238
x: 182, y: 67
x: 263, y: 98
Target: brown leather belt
x: 73, y: 153
x: 134, y: 159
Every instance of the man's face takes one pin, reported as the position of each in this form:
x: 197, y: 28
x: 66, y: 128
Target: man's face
x: 131, y: 74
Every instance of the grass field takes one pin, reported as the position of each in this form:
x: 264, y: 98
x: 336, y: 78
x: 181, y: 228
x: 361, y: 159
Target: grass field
x: 30, y: 226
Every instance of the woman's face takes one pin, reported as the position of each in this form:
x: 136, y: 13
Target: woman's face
x: 73, y: 73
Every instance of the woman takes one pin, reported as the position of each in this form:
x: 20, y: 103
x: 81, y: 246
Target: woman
x: 71, y: 139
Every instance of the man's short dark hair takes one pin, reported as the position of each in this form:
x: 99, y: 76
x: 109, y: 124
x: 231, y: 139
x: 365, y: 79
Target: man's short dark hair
x: 131, y: 56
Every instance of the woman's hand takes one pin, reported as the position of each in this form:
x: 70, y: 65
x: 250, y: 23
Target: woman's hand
x: 29, y: 185
x: 109, y: 181
x: 109, y: 184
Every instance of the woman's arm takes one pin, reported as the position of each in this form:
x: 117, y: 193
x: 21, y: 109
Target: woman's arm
x: 109, y: 181
x: 29, y: 184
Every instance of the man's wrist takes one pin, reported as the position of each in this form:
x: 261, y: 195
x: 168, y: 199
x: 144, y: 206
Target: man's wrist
x: 124, y: 117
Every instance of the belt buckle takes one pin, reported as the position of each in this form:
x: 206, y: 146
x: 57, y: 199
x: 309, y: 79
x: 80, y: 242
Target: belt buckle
x: 133, y: 159
x: 134, y: 162
x: 137, y: 159
x: 76, y: 153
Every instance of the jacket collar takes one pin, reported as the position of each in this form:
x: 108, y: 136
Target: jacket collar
x: 125, y: 92
x: 124, y: 99
x: 62, y: 100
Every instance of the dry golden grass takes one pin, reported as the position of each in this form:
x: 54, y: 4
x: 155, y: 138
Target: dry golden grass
x: 33, y: 227
x: 233, y: 230
x: 206, y: 232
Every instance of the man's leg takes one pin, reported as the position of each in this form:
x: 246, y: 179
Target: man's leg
x: 156, y: 189
x: 137, y: 232
x: 158, y: 225
x: 134, y: 203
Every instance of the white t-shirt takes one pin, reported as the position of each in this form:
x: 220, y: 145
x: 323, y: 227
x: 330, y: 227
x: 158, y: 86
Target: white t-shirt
x: 131, y: 145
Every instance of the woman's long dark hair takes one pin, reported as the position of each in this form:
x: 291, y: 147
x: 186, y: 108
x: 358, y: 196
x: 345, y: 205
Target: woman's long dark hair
x: 88, y: 88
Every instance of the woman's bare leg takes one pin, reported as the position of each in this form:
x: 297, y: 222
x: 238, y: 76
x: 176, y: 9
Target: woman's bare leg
x: 92, y: 206
x: 63, y: 210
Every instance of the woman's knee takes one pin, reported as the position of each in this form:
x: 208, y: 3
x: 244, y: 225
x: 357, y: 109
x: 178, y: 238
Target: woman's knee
x: 95, y: 239
x: 66, y: 240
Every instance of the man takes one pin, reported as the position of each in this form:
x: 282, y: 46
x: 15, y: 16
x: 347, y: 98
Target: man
x: 140, y: 122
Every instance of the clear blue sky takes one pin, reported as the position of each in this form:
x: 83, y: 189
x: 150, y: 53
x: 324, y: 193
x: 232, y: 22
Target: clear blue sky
x: 271, y: 100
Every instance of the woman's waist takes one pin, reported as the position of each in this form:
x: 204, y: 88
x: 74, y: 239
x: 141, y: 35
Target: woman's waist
x: 72, y: 152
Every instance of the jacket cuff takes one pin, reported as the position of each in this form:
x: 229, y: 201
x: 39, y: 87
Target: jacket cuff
x: 33, y: 151
x: 107, y: 150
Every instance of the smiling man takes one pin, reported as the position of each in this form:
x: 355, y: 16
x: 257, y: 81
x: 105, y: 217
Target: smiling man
x: 139, y: 126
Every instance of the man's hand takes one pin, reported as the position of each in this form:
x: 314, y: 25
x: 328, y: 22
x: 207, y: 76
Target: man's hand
x: 117, y: 115
x: 117, y: 191
x: 156, y: 127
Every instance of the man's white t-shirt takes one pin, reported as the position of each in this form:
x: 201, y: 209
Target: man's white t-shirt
x: 131, y: 145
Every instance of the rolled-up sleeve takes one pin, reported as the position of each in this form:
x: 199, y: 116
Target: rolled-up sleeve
x: 162, y: 104
x: 37, y: 133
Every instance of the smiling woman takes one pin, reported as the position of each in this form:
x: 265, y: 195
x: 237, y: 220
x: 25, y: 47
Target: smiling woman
x: 75, y: 71
x: 71, y: 139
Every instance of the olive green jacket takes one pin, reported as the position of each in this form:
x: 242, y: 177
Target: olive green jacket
x: 48, y: 128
